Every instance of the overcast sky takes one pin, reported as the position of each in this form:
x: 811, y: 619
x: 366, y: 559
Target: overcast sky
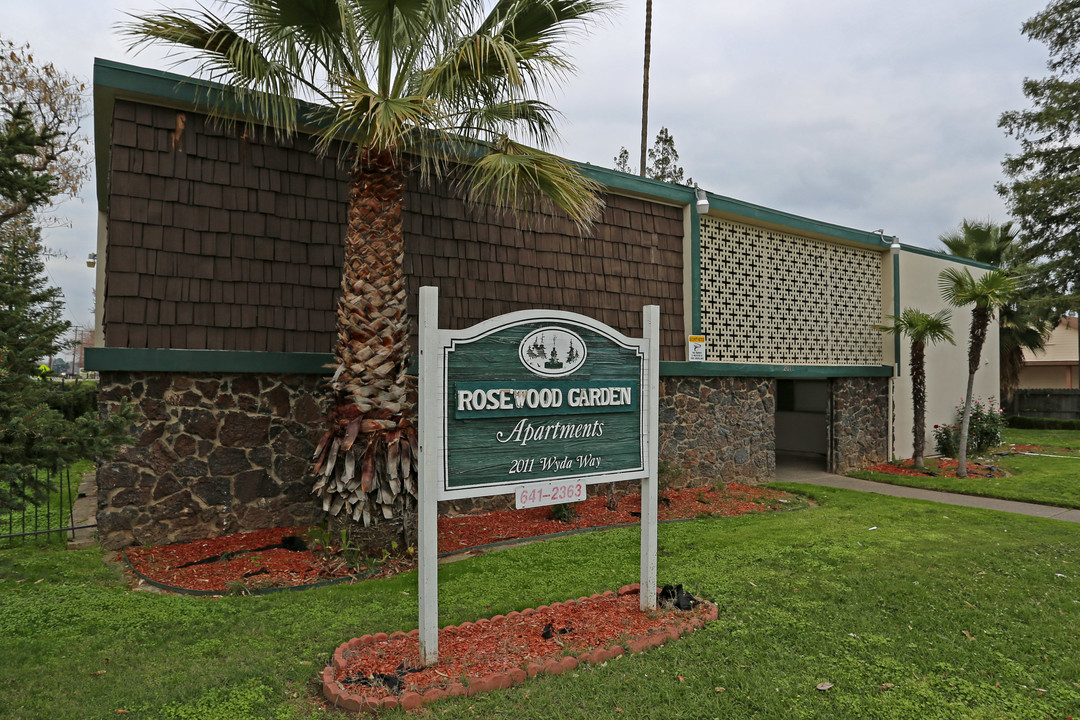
x: 863, y: 113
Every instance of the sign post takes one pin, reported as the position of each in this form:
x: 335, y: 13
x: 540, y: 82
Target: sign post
x: 427, y: 520
x: 535, y: 403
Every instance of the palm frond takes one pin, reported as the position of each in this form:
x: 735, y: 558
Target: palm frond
x: 316, y: 34
x: 536, y: 119
x: 226, y: 57
x: 361, y: 116
x: 920, y: 326
x: 992, y: 290
x: 512, y: 173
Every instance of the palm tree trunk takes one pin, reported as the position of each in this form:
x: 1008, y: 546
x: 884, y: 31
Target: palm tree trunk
x: 965, y: 425
x: 645, y: 87
x: 918, y: 401
x: 366, y: 458
x: 980, y: 321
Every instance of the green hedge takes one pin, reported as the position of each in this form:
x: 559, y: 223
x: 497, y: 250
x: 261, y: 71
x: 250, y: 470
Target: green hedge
x: 1030, y: 423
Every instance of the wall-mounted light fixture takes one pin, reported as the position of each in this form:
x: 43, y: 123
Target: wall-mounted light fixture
x: 91, y: 261
x: 701, y: 199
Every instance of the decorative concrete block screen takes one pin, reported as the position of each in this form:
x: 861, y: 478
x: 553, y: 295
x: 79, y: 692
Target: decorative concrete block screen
x: 775, y: 298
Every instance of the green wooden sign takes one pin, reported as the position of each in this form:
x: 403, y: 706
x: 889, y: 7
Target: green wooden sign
x: 535, y: 403
x: 536, y: 397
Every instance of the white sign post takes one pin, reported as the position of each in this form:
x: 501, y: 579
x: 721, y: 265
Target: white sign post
x: 535, y: 403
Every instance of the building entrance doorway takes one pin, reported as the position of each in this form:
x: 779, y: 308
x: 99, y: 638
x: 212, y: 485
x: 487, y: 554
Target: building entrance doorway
x: 802, y: 423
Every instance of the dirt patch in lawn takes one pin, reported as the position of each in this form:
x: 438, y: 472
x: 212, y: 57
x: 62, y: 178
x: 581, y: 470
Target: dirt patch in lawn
x: 265, y: 560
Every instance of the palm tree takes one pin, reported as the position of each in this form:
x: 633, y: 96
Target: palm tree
x: 1024, y: 324
x: 992, y: 291
x: 922, y: 329
x: 404, y: 86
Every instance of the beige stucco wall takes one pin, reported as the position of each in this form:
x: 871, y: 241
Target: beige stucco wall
x: 1055, y: 365
x: 1060, y: 347
x: 1048, y: 376
x: 946, y: 365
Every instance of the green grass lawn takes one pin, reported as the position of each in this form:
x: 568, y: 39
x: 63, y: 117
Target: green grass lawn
x: 939, y: 612
x: 1031, y: 478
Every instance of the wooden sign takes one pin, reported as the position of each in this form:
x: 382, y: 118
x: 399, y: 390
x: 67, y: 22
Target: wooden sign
x: 538, y: 403
x: 537, y: 397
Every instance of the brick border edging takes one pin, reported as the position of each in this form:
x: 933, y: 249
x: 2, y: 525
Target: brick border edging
x: 344, y: 699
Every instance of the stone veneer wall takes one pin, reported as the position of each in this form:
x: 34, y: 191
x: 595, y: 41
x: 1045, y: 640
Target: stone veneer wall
x: 718, y: 429
x: 217, y: 454
x: 860, y: 423
x: 213, y: 454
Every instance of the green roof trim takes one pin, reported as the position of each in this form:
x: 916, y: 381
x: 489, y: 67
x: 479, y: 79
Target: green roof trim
x: 637, y: 185
x: 237, y: 361
x: 720, y: 369
x: 945, y: 256
x: 750, y: 211
x: 695, y: 271
x: 896, y: 308
x: 114, y: 79
x: 206, y: 361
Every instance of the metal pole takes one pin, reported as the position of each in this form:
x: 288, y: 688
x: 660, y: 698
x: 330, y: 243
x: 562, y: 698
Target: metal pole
x: 427, y: 491
x: 649, y: 485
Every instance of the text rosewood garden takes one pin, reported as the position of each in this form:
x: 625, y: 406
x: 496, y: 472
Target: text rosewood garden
x: 541, y: 400
x: 512, y: 401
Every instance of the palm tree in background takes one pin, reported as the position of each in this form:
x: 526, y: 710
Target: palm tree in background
x: 921, y: 329
x: 645, y: 87
x: 992, y: 291
x: 405, y: 86
x: 1024, y: 324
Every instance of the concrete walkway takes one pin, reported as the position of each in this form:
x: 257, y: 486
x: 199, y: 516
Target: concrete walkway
x: 85, y: 513
x: 802, y: 472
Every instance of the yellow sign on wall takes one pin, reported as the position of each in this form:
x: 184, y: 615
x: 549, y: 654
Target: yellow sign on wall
x: 695, y: 348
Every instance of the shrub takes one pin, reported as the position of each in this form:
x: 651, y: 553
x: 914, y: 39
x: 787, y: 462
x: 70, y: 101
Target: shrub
x: 1032, y: 423
x: 73, y: 400
x: 984, y: 430
x: 564, y: 512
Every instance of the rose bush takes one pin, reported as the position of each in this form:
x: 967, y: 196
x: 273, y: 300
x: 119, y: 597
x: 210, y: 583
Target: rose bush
x: 984, y: 431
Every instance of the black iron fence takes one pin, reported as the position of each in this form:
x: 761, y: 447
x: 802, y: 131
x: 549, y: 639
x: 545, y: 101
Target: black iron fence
x: 40, y: 510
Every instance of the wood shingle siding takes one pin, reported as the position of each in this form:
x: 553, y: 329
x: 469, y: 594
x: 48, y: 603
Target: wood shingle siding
x: 230, y: 239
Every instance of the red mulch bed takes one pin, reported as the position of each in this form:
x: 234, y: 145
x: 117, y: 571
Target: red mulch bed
x: 377, y: 671
x: 243, y: 562
x: 941, y: 468
x: 245, y: 567
x: 1042, y: 449
x: 468, y: 531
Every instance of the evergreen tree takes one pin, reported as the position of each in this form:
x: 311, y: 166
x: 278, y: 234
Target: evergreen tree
x: 1044, y: 183
x: 663, y: 161
x: 23, y: 185
x: 34, y: 435
x: 43, y: 153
